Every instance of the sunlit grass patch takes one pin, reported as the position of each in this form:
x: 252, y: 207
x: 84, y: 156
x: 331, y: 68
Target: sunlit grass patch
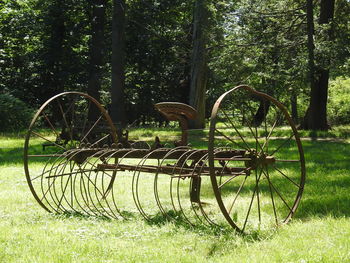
x: 319, y: 231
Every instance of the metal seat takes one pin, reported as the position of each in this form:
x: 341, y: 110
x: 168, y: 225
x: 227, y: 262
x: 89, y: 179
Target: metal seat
x: 181, y: 112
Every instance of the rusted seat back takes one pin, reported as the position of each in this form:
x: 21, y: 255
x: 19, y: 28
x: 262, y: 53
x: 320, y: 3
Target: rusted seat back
x: 176, y: 111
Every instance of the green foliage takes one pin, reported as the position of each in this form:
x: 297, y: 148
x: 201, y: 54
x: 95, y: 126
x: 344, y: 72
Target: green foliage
x: 14, y: 113
x: 44, y: 50
x: 339, y: 101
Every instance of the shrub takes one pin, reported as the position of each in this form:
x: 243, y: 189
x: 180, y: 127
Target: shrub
x: 339, y: 101
x: 14, y: 113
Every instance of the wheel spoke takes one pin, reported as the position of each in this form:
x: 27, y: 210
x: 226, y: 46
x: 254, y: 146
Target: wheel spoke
x: 284, y: 143
x: 273, y: 202
x: 277, y: 192
x: 65, y: 120
x: 255, y: 135
x: 231, y: 178
x: 278, y: 170
x: 42, y: 137
x: 228, y: 138
x: 233, y: 126
x: 92, y: 127
x: 269, y: 135
x: 237, y: 193
x: 85, y: 120
x: 104, y: 137
x: 257, y: 143
x: 257, y: 195
x: 251, y: 202
x: 50, y: 124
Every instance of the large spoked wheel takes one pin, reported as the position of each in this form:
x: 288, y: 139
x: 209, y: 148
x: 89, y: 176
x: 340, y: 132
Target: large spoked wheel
x: 262, y: 186
x: 65, y: 125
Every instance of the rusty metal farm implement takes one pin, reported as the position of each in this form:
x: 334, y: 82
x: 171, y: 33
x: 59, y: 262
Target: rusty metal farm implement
x: 250, y: 175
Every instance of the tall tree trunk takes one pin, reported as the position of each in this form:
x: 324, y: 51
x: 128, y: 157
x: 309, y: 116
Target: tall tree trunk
x: 96, y: 47
x: 98, y: 19
x: 198, y: 63
x: 294, y: 105
x: 118, y: 61
x: 53, y: 79
x: 316, y: 115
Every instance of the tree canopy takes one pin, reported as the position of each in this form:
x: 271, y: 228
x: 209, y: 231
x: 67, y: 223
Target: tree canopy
x: 136, y: 53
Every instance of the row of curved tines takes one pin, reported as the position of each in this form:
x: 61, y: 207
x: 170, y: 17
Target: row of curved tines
x: 88, y: 186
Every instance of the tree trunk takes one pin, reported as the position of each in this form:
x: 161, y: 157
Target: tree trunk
x: 118, y: 60
x: 54, y: 57
x: 96, y: 47
x: 96, y: 51
x: 198, y: 64
x: 316, y: 115
x: 294, y: 105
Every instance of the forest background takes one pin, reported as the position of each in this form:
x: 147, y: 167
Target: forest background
x: 132, y: 54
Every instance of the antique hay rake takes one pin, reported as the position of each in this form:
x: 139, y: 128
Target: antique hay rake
x: 251, y: 175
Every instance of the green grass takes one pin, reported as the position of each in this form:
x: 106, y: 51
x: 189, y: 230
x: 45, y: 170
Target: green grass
x: 320, y: 231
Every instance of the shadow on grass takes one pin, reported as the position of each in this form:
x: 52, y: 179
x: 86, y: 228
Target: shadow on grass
x: 180, y: 221
x: 202, y: 228
x: 326, y: 190
x: 11, y: 155
x: 327, y: 180
x: 77, y: 215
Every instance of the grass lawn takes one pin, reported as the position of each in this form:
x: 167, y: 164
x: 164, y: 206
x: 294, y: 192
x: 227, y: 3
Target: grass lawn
x: 319, y: 232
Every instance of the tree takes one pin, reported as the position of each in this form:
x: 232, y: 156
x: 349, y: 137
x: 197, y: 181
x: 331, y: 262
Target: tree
x: 316, y: 114
x: 96, y: 47
x: 118, y: 63
x: 198, y: 63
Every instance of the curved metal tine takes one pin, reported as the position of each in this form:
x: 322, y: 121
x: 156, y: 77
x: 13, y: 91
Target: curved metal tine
x: 57, y: 197
x: 110, y: 189
x: 99, y: 192
x: 69, y: 180
x: 190, y: 185
x: 156, y: 194
x: 110, y: 155
x: 204, y: 160
x: 182, y: 161
x: 176, y: 166
x: 229, y: 208
x: 92, y: 187
x: 77, y: 173
x: 99, y: 188
x: 83, y: 210
x: 51, y: 181
x: 109, y: 193
x: 47, y: 180
x: 135, y: 182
